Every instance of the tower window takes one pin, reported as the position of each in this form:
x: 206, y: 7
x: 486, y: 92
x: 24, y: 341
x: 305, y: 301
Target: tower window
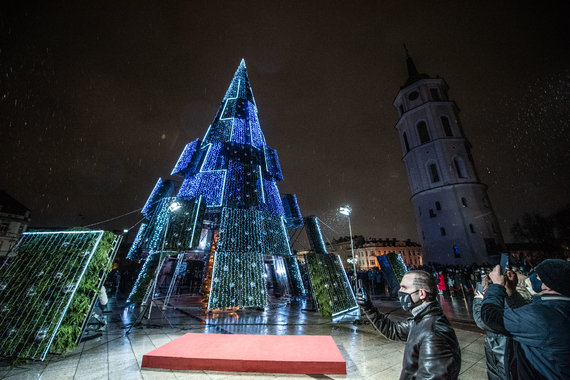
x: 463, y: 202
x: 434, y: 173
x: 485, y: 202
x: 471, y: 228
x: 437, y: 206
x: 456, y: 251
x: 423, y: 132
x: 460, y: 167
x: 406, y: 142
x: 442, y: 230
x: 446, y: 126
x: 401, y: 109
x: 434, y: 94
x: 431, y: 213
x: 420, y: 211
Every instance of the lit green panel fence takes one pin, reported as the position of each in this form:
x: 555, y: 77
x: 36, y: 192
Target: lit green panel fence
x: 329, y: 283
x: 48, y: 286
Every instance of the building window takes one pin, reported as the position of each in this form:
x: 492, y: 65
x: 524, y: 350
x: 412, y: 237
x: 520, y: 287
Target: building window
x: 431, y: 213
x: 471, y: 228
x: 423, y: 132
x: 442, y: 230
x: 460, y: 167
x: 486, y: 202
x: 434, y: 94
x: 420, y: 211
x: 434, y: 173
x: 463, y: 202
x: 406, y: 142
x: 3, y: 228
x: 456, y: 251
x: 446, y: 126
x: 437, y: 206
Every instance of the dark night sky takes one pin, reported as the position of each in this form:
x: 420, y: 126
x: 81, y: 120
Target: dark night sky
x: 97, y: 101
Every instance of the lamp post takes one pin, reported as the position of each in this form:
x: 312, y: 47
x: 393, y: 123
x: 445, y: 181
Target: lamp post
x: 346, y: 210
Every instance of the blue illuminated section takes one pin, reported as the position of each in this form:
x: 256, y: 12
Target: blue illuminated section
x: 209, y: 184
x: 242, y: 189
x: 209, y: 181
x: 240, y: 131
x: 293, y: 217
x: 161, y: 189
x: 272, y: 164
x: 272, y: 198
x: 187, y: 161
x: 257, y: 138
x: 237, y: 169
x: 134, y: 251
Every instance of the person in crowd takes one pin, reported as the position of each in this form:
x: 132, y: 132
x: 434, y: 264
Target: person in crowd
x: 432, y: 350
x: 440, y: 283
x: 495, y: 342
x: 538, y: 332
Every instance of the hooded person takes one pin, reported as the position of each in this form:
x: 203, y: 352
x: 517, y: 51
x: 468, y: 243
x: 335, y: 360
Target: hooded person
x: 432, y: 350
x: 538, y: 332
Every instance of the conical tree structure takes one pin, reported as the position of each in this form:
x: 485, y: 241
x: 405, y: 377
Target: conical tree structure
x: 236, y: 173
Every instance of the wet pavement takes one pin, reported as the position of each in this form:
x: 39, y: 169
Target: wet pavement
x: 126, y: 337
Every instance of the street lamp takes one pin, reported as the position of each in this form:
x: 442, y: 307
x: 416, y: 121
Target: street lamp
x: 346, y: 210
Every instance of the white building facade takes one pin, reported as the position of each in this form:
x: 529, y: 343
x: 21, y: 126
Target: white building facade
x: 411, y: 252
x: 455, y: 220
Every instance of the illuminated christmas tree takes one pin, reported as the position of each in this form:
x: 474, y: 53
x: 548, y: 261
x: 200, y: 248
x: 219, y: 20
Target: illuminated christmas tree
x: 235, y: 172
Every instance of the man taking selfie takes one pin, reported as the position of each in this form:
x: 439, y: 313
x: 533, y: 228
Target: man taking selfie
x: 432, y: 350
x: 538, y: 332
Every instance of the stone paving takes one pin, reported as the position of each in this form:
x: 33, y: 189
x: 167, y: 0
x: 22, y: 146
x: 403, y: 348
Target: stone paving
x: 117, y: 354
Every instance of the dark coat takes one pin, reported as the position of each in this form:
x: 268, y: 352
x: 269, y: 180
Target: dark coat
x: 496, y: 342
x: 495, y: 345
x: 539, y: 331
x: 432, y: 350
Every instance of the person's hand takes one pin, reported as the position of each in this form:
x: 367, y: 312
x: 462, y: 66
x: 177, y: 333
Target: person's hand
x: 496, y: 276
x: 363, y: 301
x: 511, y: 281
x: 478, y: 294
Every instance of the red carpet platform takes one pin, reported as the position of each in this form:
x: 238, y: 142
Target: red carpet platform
x: 300, y: 354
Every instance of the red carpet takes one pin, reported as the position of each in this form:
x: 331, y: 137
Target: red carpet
x: 300, y: 354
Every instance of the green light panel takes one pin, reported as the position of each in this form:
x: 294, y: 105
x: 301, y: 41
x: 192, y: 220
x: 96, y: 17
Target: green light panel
x: 238, y: 281
x: 38, y: 283
x: 331, y: 290
x: 175, y: 227
x: 185, y: 224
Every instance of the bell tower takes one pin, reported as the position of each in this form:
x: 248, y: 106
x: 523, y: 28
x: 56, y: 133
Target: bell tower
x: 455, y: 220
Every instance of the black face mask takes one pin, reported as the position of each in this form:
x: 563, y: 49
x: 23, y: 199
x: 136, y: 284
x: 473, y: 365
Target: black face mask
x: 406, y: 300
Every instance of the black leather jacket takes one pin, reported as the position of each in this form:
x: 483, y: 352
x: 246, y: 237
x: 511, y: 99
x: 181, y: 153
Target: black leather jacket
x: 432, y: 350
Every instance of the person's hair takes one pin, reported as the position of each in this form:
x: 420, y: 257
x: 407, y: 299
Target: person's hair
x: 424, y: 280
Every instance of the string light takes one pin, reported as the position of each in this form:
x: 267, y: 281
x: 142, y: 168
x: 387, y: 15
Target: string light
x: 236, y: 173
x: 161, y: 189
x: 134, y: 251
x: 171, y: 229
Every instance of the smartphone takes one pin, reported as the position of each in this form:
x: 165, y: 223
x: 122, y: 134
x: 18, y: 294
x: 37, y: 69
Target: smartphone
x: 504, y: 263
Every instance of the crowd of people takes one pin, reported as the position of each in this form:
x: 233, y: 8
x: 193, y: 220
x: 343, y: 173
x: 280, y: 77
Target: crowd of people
x: 524, y: 310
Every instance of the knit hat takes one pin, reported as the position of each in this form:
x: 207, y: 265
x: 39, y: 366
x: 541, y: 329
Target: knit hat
x: 555, y: 274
